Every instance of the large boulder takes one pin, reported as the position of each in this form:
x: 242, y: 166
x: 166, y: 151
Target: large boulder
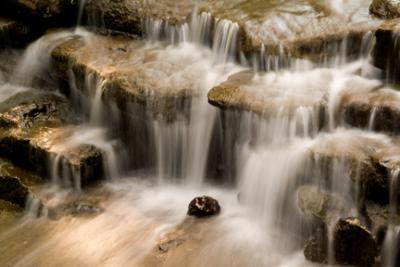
x: 385, y: 9
x: 352, y: 244
x: 203, y: 206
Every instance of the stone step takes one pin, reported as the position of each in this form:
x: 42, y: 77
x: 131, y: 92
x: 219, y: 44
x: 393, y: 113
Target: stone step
x: 36, y: 127
x: 359, y: 102
x: 310, y: 30
x: 129, y: 73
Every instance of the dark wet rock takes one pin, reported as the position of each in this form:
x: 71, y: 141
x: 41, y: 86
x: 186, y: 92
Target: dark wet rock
x: 385, y: 53
x: 14, y: 34
x: 352, y: 245
x: 13, y: 190
x: 44, y: 13
x: 203, y: 206
x: 385, y: 9
x: 321, y: 205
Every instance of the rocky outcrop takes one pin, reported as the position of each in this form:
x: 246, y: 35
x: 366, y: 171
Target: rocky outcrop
x: 35, y: 131
x: 203, y: 206
x: 125, y: 71
x: 385, y: 9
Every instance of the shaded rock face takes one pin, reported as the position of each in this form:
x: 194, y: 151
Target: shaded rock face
x: 43, y: 12
x: 13, y: 190
x: 203, y: 206
x: 385, y: 53
x: 15, y: 34
x: 385, y: 9
x: 352, y: 245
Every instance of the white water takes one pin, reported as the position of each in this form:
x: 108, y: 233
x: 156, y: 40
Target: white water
x: 273, y: 160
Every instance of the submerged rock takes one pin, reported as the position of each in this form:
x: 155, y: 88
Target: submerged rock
x: 352, y: 245
x: 385, y: 9
x: 203, y: 206
x: 321, y: 205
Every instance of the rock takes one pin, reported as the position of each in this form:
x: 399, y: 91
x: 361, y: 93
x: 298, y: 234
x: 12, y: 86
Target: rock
x: 385, y: 9
x: 38, y: 129
x: 13, y: 190
x: 127, y: 75
x: 384, y: 54
x: 378, y: 110
x: 316, y: 33
x: 15, y: 34
x: 203, y: 206
x: 267, y: 94
x: 357, y: 154
x: 321, y: 205
x: 316, y: 247
x: 45, y: 13
x: 352, y: 245
x: 128, y: 15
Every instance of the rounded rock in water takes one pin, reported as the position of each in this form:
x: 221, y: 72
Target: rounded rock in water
x: 203, y: 206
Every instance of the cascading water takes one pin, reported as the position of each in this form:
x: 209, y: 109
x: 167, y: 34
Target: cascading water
x: 275, y: 154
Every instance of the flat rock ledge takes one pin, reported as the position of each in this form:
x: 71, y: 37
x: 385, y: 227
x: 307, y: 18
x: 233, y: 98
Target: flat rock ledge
x: 35, y: 128
x: 129, y: 73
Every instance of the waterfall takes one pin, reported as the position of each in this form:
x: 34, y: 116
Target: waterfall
x: 392, y: 238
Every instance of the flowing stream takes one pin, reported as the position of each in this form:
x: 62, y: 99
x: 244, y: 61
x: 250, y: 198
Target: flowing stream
x: 260, y: 224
